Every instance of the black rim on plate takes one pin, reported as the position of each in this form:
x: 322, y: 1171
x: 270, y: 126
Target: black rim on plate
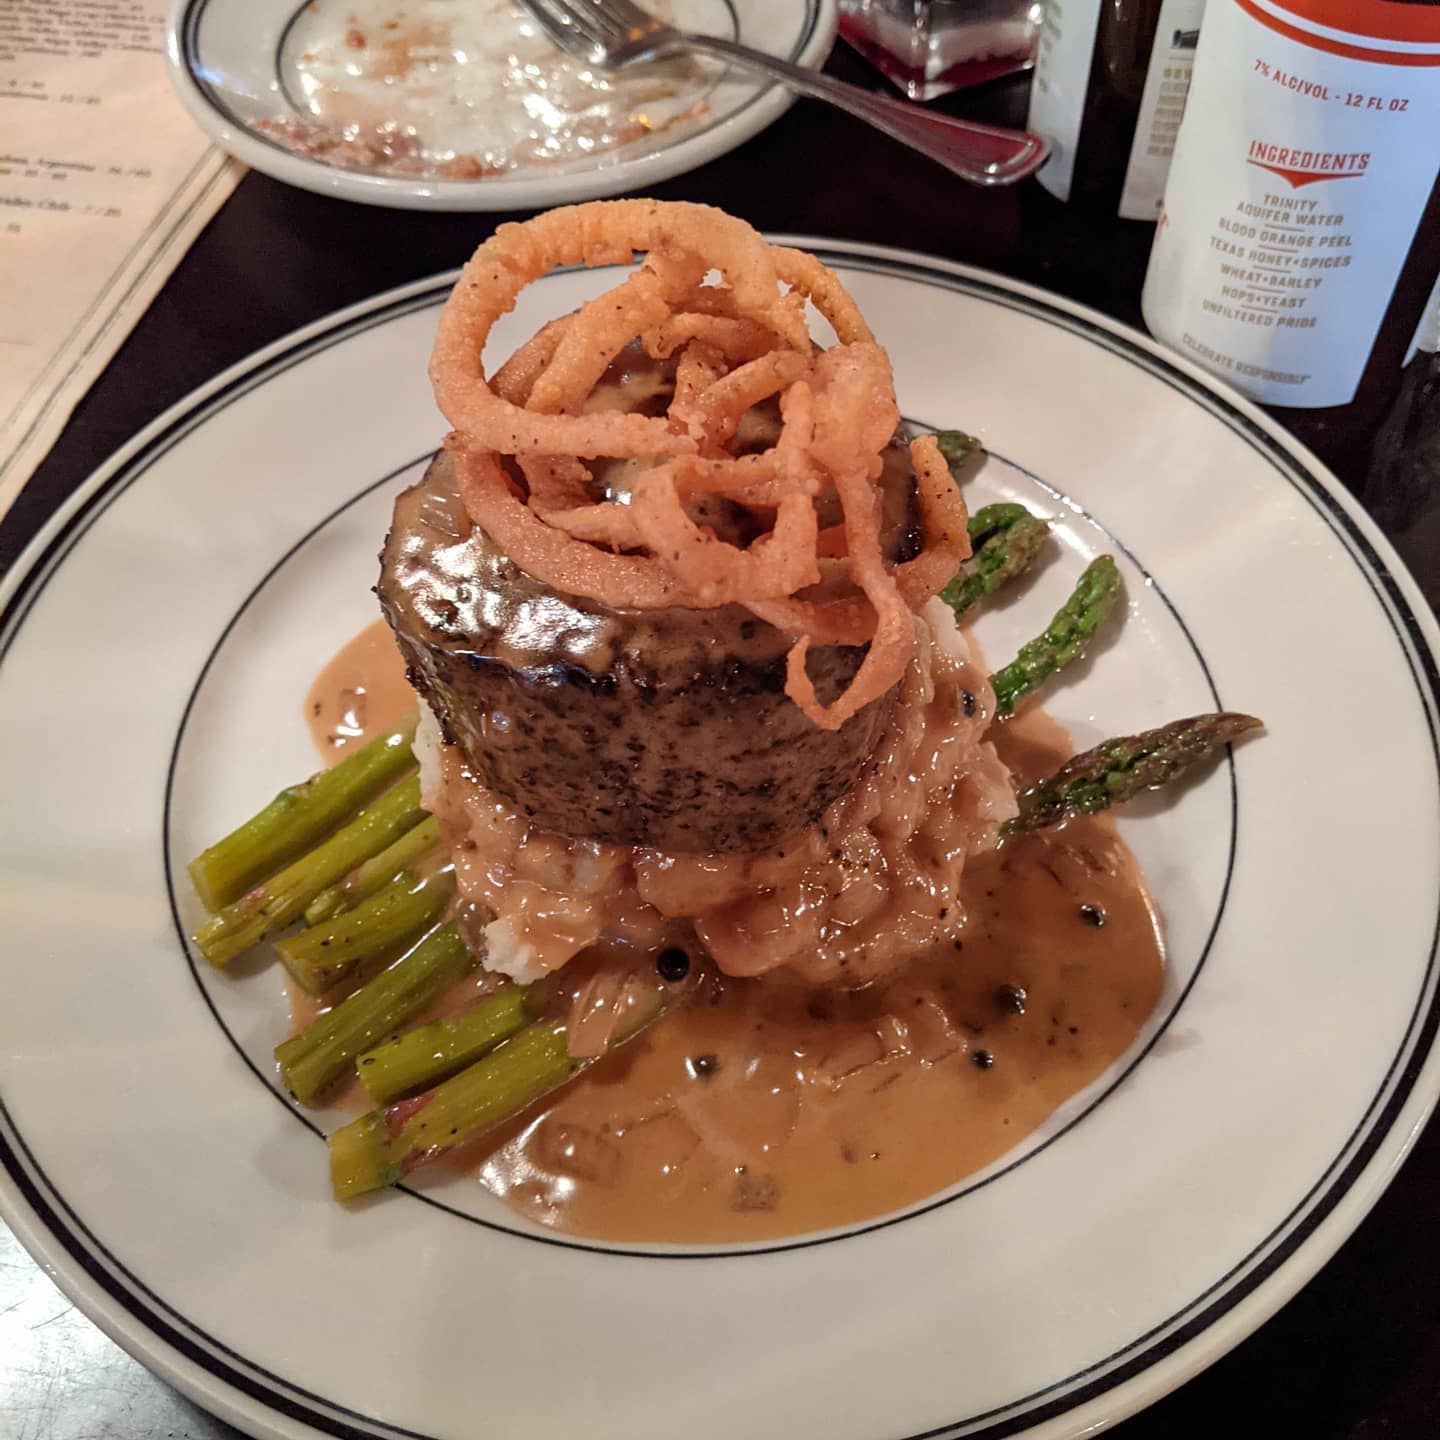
x: 88, y: 1254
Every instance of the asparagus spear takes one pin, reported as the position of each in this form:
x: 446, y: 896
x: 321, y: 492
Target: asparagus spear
x: 957, y: 447
x: 425, y: 1056
x: 1006, y: 538
x: 1118, y: 770
x: 298, y: 817
x: 327, y: 1047
x: 396, y: 915
x: 273, y: 904
x: 990, y: 520
x: 376, y: 872
x: 380, y: 1148
x: 1064, y: 639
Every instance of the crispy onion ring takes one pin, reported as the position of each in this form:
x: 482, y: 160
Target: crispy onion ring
x: 620, y: 581
x: 599, y: 233
x: 736, y: 339
x: 724, y: 350
x: 821, y: 286
x: 596, y: 334
x: 700, y: 366
x: 944, y: 519
x: 717, y: 573
x: 517, y: 376
x: 719, y: 407
x: 557, y: 484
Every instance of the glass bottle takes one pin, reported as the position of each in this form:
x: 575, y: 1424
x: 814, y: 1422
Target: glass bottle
x: 1300, y: 237
x: 1111, y: 82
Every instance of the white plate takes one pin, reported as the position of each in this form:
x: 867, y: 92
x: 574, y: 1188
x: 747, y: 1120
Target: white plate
x: 233, y: 63
x: 158, y: 638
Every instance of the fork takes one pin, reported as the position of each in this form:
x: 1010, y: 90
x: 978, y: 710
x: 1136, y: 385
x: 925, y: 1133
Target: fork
x: 615, y: 34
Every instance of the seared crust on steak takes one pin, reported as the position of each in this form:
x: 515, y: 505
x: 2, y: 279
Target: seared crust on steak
x: 667, y: 728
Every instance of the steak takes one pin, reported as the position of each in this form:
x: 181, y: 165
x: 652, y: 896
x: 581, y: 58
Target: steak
x: 668, y: 728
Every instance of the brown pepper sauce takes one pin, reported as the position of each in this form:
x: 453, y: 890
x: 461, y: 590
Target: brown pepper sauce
x: 359, y: 694
x: 762, y: 1109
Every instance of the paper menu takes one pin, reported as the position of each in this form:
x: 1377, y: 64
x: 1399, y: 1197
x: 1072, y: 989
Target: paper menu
x: 104, y: 184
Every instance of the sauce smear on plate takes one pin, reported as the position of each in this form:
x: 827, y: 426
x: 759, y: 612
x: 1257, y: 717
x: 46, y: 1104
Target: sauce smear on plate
x: 763, y: 1109
x: 360, y: 694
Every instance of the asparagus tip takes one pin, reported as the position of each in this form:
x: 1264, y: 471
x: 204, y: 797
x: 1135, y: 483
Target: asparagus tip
x: 957, y: 447
x: 1117, y: 770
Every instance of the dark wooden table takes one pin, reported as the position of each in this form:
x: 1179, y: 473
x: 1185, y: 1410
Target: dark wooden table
x: 1356, y: 1356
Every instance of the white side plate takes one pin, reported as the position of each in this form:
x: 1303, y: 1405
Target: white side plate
x: 233, y: 64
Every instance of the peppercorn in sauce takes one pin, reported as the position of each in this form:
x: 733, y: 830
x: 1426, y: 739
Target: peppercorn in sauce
x: 760, y: 1108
